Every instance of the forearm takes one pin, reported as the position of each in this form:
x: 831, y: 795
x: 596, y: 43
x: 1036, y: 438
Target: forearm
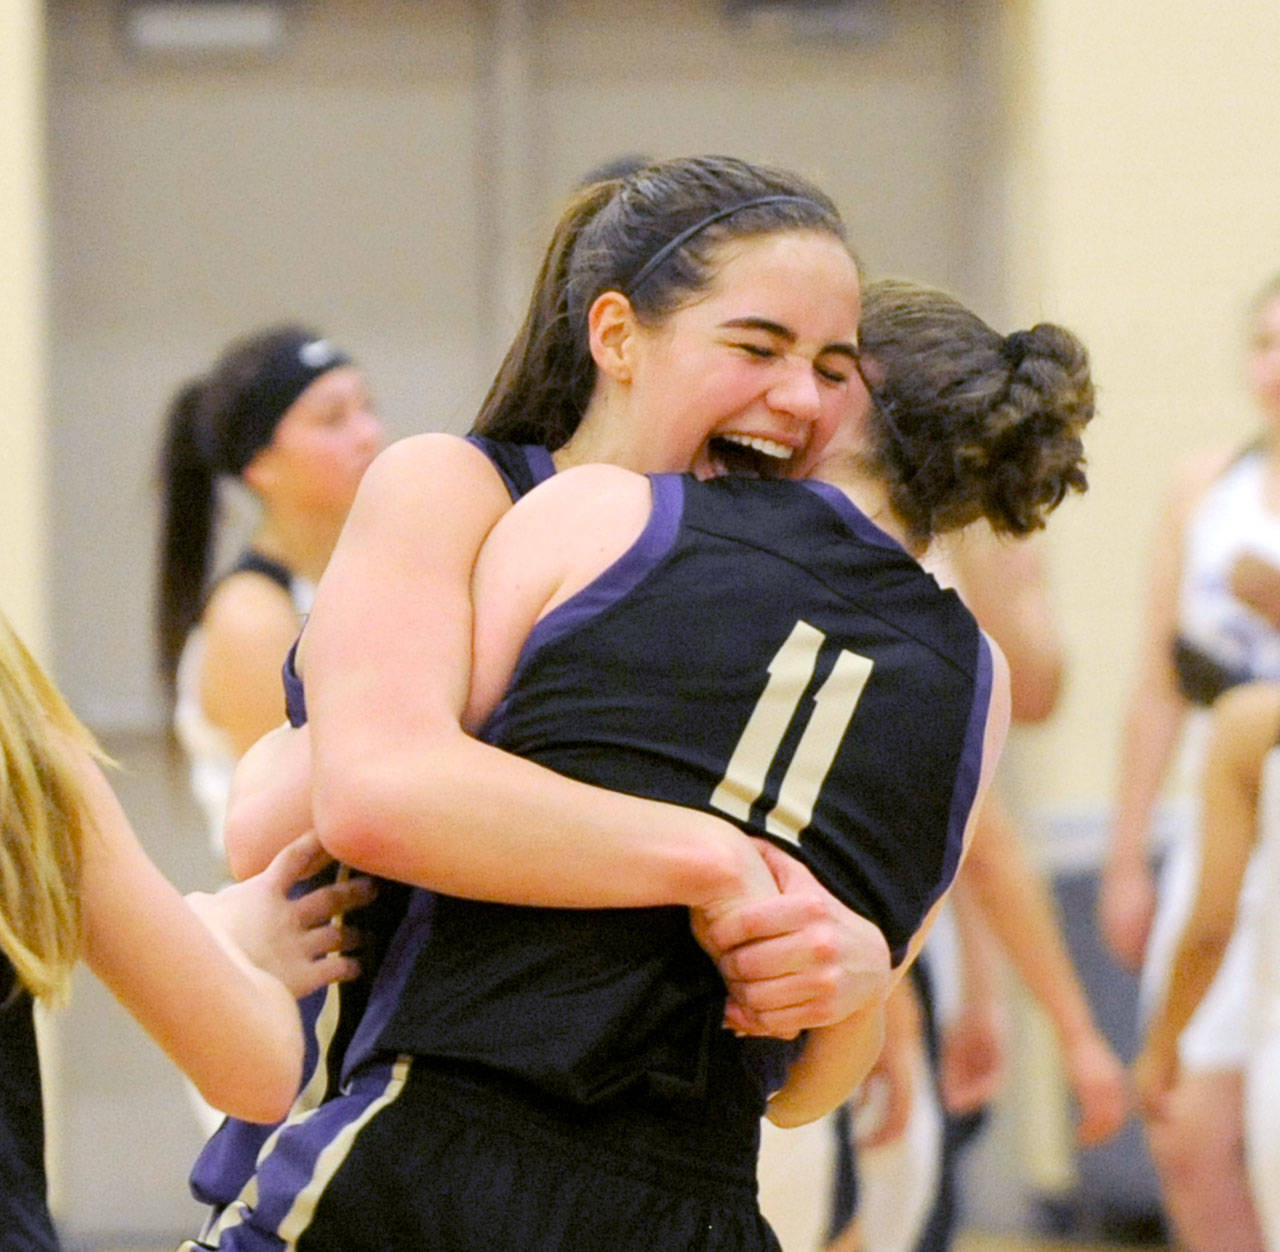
x: 270, y: 800
x: 1151, y: 735
x: 1016, y: 903
x: 234, y: 1031
x: 458, y: 816
x: 834, y: 1061
x: 1195, y: 964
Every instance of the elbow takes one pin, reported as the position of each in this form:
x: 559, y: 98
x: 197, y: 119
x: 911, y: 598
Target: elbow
x: 267, y: 1094
x: 364, y: 816
x: 1035, y: 691
x: 345, y: 812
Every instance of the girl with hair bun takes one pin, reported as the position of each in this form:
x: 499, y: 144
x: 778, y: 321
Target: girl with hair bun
x: 561, y: 1071
x: 75, y: 883
x: 1015, y: 406
x: 289, y: 418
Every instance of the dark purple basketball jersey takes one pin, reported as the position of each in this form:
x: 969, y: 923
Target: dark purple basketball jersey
x: 763, y: 652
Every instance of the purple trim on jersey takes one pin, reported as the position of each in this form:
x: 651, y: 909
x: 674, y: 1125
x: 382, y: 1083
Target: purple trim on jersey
x: 606, y: 589
x: 538, y: 459
x: 969, y: 769
x: 294, y: 1160
x: 295, y: 697
x: 541, y: 466
x: 854, y: 517
x: 384, y: 997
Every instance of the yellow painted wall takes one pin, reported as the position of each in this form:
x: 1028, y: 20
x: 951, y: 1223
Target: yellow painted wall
x: 1147, y: 155
x: 22, y: 558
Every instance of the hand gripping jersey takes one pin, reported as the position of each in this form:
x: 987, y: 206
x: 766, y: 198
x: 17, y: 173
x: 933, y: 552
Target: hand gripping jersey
x: 762, y: 652
x: 330, y: 1016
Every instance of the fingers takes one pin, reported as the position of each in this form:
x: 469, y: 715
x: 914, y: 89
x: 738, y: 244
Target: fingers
x: 319, y: 941
x: 766, y: 919
x: 332, y: 967
x: 333, y: 899
x: 1100, y: 1119
x: 298, y: 860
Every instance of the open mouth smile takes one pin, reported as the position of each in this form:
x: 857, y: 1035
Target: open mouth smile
x: 751, y: 456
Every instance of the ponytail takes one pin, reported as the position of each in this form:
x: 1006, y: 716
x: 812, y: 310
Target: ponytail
x: 188, y: 506
x: 545, y: 381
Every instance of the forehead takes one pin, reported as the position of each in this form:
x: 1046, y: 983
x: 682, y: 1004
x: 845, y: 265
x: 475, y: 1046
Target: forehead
x: 804, y: 280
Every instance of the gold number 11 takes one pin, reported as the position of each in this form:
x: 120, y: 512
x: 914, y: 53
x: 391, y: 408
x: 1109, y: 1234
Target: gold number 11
x: 790, y: 673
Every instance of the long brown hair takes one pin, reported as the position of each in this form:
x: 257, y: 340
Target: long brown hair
x: 608, y: 238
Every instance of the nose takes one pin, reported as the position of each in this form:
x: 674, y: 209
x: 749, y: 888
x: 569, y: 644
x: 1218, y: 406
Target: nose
x: 795, y: 392
x: 372, y: 432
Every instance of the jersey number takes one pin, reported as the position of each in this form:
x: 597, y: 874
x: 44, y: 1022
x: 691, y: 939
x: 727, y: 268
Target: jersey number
x: 790, y: 674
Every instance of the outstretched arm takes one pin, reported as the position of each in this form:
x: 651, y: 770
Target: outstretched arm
x: 1156, y: 711
x: 231, y: 1027
x: 1015, y: 901
x: 1246, y: 725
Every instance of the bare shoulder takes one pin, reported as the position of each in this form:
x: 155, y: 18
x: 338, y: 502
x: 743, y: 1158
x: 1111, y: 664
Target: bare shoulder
x: 246, y: 602
x: 434, y: 457
x: 587, y: 490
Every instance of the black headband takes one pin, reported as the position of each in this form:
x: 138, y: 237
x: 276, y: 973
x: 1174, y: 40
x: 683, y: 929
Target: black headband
x: 685, y: 235
x: 252, y: 419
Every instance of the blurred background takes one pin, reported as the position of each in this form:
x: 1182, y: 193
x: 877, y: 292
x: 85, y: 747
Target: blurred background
x: 172, y: 174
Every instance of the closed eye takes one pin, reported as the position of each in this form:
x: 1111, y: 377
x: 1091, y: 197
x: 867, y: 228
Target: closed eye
x: 757, y: 350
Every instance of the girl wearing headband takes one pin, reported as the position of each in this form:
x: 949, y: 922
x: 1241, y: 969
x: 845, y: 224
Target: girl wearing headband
x: 289, y: 418
x: 804, y: 960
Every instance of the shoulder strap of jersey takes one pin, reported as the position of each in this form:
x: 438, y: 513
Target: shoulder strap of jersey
x: 522, y: 465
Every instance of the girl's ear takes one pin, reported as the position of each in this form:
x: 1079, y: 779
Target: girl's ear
x: 611, y: 334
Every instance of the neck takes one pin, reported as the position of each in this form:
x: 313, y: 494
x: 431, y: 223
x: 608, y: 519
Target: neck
x: 869, y: 495
x: 604, y: 436
x: 302, y: 545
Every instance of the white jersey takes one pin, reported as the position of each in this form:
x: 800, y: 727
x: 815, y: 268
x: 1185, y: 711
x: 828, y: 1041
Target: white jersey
x: 207, y: 746
x: 1262, y: 912
x: 1232, y: 519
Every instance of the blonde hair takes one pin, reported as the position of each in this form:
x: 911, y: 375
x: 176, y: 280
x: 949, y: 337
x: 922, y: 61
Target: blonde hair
x: 44, y: 815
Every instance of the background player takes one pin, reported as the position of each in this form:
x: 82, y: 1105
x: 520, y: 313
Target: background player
x: 76, y: 883
x: 1202, y: 637
x: 288, y: 417
x: 1241, y: 819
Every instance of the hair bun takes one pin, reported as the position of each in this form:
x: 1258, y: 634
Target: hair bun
x: 1016, y: 346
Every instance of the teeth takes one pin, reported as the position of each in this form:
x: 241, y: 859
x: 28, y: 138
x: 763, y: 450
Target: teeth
x: 779, y: 451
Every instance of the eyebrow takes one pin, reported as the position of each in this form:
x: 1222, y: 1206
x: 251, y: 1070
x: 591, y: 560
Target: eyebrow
x: 788, y: 336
